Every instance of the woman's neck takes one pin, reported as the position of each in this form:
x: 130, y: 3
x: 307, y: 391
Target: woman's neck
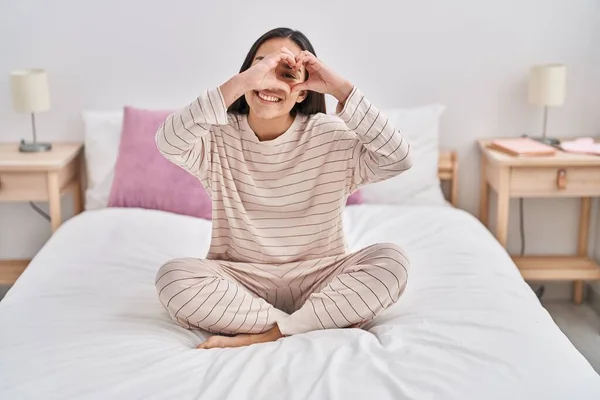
x: 269, y: 129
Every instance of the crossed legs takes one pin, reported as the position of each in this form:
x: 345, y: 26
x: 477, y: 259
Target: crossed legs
x: 262, y: 302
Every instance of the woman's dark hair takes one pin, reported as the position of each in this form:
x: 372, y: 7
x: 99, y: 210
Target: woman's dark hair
x: 313, y: 103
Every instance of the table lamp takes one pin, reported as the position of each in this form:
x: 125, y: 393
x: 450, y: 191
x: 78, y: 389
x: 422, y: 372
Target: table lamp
x: 547, y: 88
x: 30, y: 94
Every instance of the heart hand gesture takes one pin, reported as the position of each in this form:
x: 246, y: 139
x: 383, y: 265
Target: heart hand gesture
x: 263, y: 75
x: 321, y: 79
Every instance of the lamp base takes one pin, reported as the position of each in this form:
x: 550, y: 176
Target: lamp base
x: 545, y: 140
x: 548, y: 141
x: 34, y: 147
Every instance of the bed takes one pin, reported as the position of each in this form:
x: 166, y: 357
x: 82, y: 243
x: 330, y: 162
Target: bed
x: 84, y: 320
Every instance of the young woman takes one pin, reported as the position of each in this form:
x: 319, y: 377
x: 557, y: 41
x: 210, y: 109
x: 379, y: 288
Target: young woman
x: 279, y: 171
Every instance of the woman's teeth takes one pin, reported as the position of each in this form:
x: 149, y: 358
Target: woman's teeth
x: 266, y: 97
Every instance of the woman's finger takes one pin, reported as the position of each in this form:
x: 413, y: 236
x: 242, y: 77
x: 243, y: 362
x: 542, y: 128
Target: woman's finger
x: 279, y: 57
x: 300, y: 61
x: 289, y: 59
x: 288, y: 51
x: 306, y: 59
x: 274, y: 59
x: 307, y: 55
x: 301, y: 56
x: 296, y: 66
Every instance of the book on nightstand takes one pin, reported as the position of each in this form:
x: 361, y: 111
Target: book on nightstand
x: 584, y: 145
x: 522, y: 147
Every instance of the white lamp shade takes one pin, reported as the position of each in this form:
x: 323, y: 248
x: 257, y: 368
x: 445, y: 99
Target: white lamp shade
x: 29, y: 89
x: 547, y: 84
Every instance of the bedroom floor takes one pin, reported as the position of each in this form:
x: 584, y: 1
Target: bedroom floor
x: 581, y: 324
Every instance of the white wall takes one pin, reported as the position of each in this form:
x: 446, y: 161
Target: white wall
x: 596, y: 285
x: 471, y: 55
x: 596, y: 243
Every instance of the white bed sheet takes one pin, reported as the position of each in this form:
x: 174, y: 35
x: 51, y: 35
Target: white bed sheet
x: 84, y: 321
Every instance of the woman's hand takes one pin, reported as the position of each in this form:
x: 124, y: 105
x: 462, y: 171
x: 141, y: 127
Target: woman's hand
x: 260, y: 76
x: 263, y: 75
x: 321, y: 79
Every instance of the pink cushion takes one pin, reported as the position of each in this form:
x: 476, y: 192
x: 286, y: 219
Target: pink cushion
x: 354, y: 198
x: 146, y: 179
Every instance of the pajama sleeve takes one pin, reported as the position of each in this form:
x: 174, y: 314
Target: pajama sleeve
x: 378, y: 151
x: 184, y: 138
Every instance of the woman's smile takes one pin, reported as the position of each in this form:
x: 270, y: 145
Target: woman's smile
x: 266, y: 97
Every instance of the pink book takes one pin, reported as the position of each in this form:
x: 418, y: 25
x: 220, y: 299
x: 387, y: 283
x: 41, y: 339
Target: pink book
x: 522, y: 147
x: 582, y: 145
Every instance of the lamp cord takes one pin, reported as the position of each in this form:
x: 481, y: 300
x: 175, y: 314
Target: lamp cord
x: 522, y: 226
x: 539, y: 292
x: 39, y: 211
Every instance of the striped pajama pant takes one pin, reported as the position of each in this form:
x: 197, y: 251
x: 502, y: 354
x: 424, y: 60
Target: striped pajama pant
x: 235, y: 297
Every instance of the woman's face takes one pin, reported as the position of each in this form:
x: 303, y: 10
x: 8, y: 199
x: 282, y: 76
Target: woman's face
x: 267, y: 108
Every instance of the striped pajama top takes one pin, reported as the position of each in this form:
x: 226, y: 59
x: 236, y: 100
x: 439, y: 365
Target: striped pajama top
x: 281, y: 200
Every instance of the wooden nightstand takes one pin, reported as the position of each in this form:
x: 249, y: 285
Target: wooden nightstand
x: 42, y: 176
x: 561, y: 175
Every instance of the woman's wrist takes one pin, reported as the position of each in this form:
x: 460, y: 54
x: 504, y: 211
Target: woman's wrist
x: 233, y: 89
x: 343, y: 91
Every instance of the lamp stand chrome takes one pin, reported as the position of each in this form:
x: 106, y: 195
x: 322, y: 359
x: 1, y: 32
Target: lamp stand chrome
x: 33, y: 147
x: 544, y: 139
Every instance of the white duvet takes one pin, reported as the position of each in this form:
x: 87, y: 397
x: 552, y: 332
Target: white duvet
x: 84, y: 321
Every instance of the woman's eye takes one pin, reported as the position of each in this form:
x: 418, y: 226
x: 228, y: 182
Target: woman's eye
x: 291, y: 76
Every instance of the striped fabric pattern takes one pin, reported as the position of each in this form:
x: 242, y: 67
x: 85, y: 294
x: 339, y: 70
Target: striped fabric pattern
x: 278, y: 254
x: 281, y: 200
x: 334, y: 292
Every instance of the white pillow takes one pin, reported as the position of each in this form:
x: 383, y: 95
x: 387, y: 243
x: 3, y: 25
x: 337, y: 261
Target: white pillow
x: 102, y: 135
x: 419, y: 185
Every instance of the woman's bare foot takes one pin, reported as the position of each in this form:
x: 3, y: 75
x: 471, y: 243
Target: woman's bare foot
x: 241, y: 340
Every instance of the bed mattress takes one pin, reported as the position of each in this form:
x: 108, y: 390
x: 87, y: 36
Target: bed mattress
x: 84, y: 321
